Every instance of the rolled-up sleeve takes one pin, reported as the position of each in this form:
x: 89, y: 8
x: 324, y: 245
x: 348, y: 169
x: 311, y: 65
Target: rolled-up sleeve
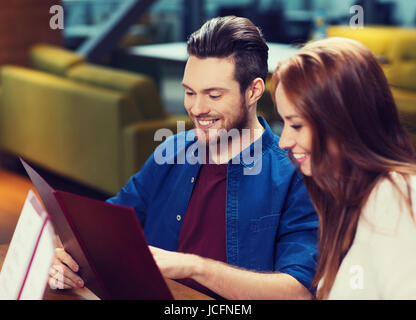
x: 297, y: 243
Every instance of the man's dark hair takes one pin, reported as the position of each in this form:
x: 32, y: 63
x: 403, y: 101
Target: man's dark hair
x: 237, y: 38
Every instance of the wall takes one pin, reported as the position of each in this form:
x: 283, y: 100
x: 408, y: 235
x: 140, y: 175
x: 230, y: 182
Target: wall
x: 24, y: 23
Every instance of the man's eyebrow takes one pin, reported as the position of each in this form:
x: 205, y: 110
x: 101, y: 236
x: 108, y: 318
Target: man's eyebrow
x: 207, y: 89
x: 186, y: 86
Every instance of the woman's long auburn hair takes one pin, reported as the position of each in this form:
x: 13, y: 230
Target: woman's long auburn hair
x: 338, y: 87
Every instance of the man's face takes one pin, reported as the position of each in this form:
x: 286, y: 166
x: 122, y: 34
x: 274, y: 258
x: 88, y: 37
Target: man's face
x: 212, y: 97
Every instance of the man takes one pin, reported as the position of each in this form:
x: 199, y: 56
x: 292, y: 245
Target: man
x: 226, y: 231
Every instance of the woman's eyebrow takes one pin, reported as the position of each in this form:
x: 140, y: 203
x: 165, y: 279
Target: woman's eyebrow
x: 290, y: 117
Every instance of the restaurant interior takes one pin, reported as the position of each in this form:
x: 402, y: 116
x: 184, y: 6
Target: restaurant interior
x: 85, y: 84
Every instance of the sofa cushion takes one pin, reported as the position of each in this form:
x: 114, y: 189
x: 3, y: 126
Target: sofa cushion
x: 142, y: 88
x: 53, y: 59
x: 395, y: 48
x: 369, y: 36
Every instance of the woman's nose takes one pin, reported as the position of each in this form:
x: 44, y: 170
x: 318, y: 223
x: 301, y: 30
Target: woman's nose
x: 286, y: 141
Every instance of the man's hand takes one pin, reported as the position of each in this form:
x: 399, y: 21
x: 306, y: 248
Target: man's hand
x: 175, y: 265
x: 62, y: 273
x: 229, y: 281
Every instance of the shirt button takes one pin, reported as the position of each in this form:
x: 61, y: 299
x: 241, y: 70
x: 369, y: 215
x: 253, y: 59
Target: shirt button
x: 178, y: 217
x: 192, y: 180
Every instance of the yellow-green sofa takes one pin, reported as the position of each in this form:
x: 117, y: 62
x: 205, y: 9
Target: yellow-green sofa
x: 90, y: 123
x: 396, y: 49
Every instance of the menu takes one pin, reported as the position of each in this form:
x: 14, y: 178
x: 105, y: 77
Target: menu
x: 24, y: 275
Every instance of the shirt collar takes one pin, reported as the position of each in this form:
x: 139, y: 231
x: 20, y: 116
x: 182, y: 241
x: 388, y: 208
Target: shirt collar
x: 257, y: 148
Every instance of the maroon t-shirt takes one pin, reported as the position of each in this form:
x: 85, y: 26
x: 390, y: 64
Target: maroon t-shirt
x: 203, y: 226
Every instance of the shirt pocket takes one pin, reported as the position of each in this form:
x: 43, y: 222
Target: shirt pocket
x: 266, y: 222
x: 262, y: 242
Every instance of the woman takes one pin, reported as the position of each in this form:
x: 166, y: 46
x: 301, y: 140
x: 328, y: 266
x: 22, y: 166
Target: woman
x: 342, y: 129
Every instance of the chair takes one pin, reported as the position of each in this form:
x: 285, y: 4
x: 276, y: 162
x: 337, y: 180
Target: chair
x: 86, y: 122
x: 395, y: 48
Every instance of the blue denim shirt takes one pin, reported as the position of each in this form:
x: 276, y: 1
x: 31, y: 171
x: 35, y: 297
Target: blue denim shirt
x: 271, y: 224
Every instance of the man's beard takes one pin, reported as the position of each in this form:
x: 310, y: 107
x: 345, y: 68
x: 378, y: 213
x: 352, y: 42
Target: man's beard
x: 240, y: 123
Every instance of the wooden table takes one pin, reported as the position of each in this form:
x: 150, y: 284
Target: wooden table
x: 179, y: 291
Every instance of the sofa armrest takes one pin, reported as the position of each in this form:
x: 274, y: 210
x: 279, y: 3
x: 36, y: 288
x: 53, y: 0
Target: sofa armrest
x: 406, y: 106
x: 139, y: 143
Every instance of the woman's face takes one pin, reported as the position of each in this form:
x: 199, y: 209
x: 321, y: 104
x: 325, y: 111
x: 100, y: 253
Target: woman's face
x: 297, y: 134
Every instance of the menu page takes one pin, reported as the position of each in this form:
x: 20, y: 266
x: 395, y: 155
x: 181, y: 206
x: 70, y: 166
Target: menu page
x: 25, y: 269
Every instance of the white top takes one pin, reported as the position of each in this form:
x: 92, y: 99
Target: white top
x: 381, y: 263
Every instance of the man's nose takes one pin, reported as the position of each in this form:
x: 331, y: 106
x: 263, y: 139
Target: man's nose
x: 200, y: 107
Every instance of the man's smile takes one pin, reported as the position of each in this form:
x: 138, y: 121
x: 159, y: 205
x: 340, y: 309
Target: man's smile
x: 206, y: 123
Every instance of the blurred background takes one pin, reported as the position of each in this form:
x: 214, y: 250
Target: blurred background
x: 280, y: 20
x: 167, y: 21
x: 82, y: 103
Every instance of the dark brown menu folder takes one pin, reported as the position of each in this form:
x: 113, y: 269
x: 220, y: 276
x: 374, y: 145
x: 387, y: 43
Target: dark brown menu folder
x: 107, y: 242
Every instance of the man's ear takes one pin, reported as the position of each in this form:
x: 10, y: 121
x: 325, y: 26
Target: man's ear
x: 255, y: 91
